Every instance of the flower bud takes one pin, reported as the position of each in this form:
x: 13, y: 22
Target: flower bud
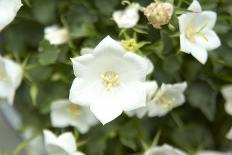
x: 159, y: 13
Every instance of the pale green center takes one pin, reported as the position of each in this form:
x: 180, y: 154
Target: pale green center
x: 192, y: 31
x: 74, y: 110
x: 110, y: 79
x: 130, y: 44
x: 166, y: 102
x: 3, y: 75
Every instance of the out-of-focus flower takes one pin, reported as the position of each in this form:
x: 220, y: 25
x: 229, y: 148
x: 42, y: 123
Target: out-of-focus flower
x: 159, y: 13
x: 212, y: 153
x: 127, y: 18
x: 227, y: 94
x: 11, y: 75
x: 65, y: 113
x: 164, y: 150
x: 166, y: 98
x: 56, y: 35
x: 63, y: 145
x: 110, y: 80
x: 196, y: 32
x: 229, y: 134
x: 8, y: 11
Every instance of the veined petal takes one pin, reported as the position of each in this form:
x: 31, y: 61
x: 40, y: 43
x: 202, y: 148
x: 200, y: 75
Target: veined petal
x: 195, y: 6
x: 106, y: 108
x: 207, y: 19
x: 211, y: 40
x: 8, y: 11
x: 196, y: 51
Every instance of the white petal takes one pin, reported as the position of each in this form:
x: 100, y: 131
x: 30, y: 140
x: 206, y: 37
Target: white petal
x: 150, y: 87
x: 228, y: 107
x: 195, y: 6
x: 49, y: 137
x: 59, y: 115
x: 197, y: 51
x: 206, y: 19
x: 164, y: 150
x: 184, y: 21
x: 86, y: 51
x: 8, y: 11
x: 150, y: 67
x: 106, y: 108
x: 140, y: 112
x: 229, y: 134
x: 67, y: 142
x: 212, y: 153
x: 227, y: 92
x: 14, y: 71
x: 7, y: 89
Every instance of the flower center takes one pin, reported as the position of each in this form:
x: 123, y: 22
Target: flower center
x: 192, y: 31
x: 130, y: 44
x: 74, y: 110
x: 110, y: 80
x: 165, y: 102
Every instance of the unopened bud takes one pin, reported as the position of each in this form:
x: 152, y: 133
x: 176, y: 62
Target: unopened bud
x: 159, y: 13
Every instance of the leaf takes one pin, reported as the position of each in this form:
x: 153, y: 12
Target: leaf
x: 201, y: 95
x: 49, y: 53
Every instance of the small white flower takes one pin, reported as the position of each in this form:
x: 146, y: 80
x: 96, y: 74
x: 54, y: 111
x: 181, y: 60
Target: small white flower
x: 65, y: 113
x: 164, y: 150
x: 212, y: 153
x: 196, y: 32
x: 229, y: 134
x: 8, y: 11
x: 227, y: 94
x: 127, y: 18
x: 110, y: 80
x: 10, y: 78
x: 166, y: 98
x: 56, y: 35
x: 63, y: 145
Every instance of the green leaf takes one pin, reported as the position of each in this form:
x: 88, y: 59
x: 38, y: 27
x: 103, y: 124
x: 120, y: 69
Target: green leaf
x: 200, y: 94
x: 49, y: 53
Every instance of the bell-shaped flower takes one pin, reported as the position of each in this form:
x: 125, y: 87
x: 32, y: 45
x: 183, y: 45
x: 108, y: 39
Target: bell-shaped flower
x: 62, y: 145
x: 11, y: 75
x: 128, y: 17
x: 110, y: 80
x: 64, y: 114
x: 8, y: 11
x: 213, y: 153
x: 227, y: 94
x: 196, y: 32
x: 56, y: 35
x: 164, y: 150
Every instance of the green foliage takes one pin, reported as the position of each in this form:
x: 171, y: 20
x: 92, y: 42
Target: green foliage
x: 48, y: 73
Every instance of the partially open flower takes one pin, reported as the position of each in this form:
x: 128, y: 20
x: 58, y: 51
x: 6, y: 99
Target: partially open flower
x: 159, y: 13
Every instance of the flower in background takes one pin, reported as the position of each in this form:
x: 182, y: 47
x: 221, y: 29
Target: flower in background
x: 11, y: 75
x: 63, y: 145
x: 196, y: 32
x: 165, y: 99
x: 8, y: 11
x: 164, y: 150
x: 65, y: 113
x: 127, y: 18
x: 227, y: 94
x: 212, y: 153
x: 229, y: 134
x: 56, y: 35
x: 110, y: 80
x: 159, y: 13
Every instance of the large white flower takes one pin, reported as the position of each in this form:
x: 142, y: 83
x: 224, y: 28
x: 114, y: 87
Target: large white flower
x: 10, y: 78
x: 196, y: 32
x: 65, y: 113
x: 56, y: 35
x: 127, y: 18
x: 212, y: 153
x: 110, y: 80
x: 227, y: 94
x: 63, y: 145
x: 164, y: 150
x: 8, y: 11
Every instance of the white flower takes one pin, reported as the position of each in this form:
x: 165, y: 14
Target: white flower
x: 56, y: 35
x: 10, y: 78
x: 212, y: 153
x: 110, y: 80
x: 196, y: 32
x: 8, y: 11
x: 127, y: 18
x: 166, y: 98
x: 229, y: 134
x: 227, y: 94
x: 63, y: 145
x: 65, y: 113
x: 164, y: 150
